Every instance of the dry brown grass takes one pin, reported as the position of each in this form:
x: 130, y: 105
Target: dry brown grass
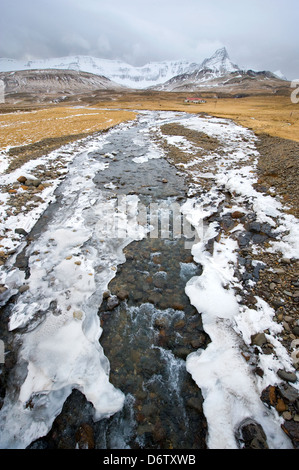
x: 273, y: 115
x: 28, y: 127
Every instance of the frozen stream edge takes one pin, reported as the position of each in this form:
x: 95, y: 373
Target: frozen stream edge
x: 71, y: 265
x: 75, y: 259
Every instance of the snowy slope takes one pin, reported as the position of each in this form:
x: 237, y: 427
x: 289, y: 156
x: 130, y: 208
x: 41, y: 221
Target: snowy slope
x: 220, y: 72
x: 219, y: 63
x: 118, y: 71
x: 153, y: 74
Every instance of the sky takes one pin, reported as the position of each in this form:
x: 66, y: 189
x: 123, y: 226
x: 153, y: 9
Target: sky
x: 262, y: 35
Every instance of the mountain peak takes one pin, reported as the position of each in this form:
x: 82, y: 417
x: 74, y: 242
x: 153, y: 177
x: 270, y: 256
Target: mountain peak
x: 220, y: 62
x: 221, y: 53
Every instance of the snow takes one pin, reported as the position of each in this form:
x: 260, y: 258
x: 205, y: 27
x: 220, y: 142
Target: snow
x: 75, y: 262
x: 75, y: 258
x: 151, y: 74
x: 118, y: 71
x: 231, y: 391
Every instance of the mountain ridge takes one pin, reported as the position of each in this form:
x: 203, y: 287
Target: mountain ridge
x: 153, y: 74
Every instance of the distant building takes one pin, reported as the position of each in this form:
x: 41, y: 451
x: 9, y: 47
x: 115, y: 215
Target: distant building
x: 194, y: 100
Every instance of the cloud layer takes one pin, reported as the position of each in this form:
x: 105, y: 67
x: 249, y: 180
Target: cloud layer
x: 259, y: 35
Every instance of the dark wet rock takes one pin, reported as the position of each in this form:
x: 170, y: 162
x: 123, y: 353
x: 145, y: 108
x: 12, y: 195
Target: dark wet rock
x: 85, y: 437
x: 122, y: 294
x: 32, y: 182
x: 195, y: 403
x: 112, y: 302
x: 291, y: 428
x: 21, y: 231
x: 159, y: 280
x: 244, y: 239
x: 251, y: 435
x: 288, y: 392
x: 296, y: 330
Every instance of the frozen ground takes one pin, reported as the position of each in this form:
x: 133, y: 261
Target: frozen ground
x: 73, y: 259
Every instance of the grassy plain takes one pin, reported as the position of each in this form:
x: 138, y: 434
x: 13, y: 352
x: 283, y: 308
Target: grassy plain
x: 20, y: 128
x: 23, y: 127
x: 265, y: 114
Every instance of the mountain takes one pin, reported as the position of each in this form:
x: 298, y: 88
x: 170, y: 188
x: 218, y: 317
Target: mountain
x: 220, y: 73
x: 54, y: 85
x: 216, y: 71
x: 127, y: 75
x: 219, y: 63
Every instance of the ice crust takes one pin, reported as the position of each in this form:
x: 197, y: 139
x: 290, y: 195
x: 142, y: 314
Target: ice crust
x: 71, y: 264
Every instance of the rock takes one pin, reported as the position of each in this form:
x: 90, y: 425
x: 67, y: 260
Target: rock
x: 280, y: 406
x: 21, y: 231
x: 78, y: 315
x: 195, y: 403
x: 177, y: 306
x: 258, y: 339
x: 160, y: 322
x: 252, y: 435
x: 155, y: 298
x: 291, y: 428
x: 287, y: 415
x: 23, y: 288
x: 269, y: 396
x: 85, y: 437
x: 288, y: 392
x: 287, y: 376
x: 159, y: 280
x: 122, y: 294
x: 112, y: 302
x: 237, y: 215
x: 106, y: 294
x: 32, y: 182
x: 279, y: 271
x: 22, y: 179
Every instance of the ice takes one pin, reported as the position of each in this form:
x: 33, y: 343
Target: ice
x: 71, y: 264
x: 231, y: 391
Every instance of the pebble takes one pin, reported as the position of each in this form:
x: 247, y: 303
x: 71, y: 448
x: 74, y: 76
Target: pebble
x: 287, y: 376
x: 258, y: 339
x: 112, y: 302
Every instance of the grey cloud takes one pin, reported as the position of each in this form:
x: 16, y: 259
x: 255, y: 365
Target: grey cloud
x: 260, y: 35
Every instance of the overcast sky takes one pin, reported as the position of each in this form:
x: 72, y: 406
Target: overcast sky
x: 258, y: 34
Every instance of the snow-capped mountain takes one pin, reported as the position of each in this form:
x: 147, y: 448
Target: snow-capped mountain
x: 165, y: 76
x: 219, y: 63
x: 153, y: 73
x: 219, y: 72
